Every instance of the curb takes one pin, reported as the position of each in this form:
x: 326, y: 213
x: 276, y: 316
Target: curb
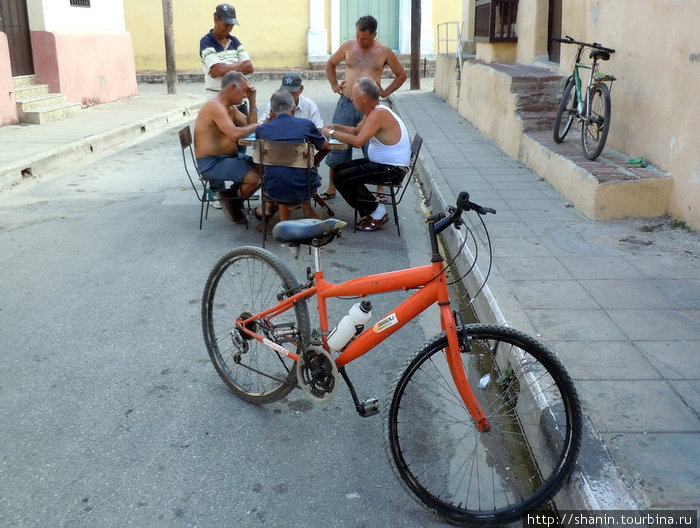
x: 596, y: 483
x: 94, y: 145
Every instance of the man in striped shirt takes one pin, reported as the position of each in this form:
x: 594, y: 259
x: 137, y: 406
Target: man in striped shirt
x: 220, y: 51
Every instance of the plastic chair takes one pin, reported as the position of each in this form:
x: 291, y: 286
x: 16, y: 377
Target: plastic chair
x: 396, y: 190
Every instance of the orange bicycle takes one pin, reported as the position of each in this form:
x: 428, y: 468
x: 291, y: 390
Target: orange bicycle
x: 482, y: 426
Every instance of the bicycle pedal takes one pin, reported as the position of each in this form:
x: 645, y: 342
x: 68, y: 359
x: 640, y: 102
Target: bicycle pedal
x: 368, y: 407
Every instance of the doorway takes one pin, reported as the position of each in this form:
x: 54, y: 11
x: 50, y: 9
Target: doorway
x: 554, y: 30
x: 385, y: 11
x: 14, y: 22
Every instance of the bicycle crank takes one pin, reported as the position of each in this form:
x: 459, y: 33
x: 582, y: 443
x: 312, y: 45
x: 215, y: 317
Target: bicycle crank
x: 317, y: 377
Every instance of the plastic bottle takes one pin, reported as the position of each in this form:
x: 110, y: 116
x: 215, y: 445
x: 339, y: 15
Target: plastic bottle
x: 350, y: 325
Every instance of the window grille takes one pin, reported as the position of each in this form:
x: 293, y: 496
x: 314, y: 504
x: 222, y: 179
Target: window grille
x: 80, y: 3
x: 495, y: 21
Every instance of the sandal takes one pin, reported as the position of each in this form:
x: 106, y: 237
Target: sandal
x: 327, y: 195
x: 382, y: 199
x: 370, y: 224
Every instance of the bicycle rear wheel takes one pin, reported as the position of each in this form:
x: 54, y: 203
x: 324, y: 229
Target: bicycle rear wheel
x: 594, y: 131
x: 244, y: 282
x: 467, y: 476
x: 566, y: 112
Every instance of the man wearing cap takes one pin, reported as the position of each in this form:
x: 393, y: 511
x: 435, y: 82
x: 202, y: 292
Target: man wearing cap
x: 221, y: 52
x: 303, y: 106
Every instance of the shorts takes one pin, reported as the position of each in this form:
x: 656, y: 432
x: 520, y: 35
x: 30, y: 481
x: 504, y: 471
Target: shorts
x: 225, y: 168
x: 345, y: 114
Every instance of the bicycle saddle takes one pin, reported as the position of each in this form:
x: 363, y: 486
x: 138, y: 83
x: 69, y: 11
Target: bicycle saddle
x: 309, y: 231
x: 600, y: 54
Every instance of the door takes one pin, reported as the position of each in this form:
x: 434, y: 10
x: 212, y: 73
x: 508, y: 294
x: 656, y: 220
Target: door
x: 554, y: 30
x: 14, y: 22
x: 385, y: 11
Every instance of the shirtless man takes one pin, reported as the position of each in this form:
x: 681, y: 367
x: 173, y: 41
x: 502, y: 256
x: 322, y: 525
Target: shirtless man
x: 217, y: 130
x: 364, y: 57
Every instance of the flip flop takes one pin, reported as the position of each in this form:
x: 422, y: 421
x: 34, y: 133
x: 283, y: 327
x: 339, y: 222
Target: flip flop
x: 327, y: 195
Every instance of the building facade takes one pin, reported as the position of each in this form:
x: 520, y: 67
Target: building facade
x: 280, y: 33
x: 80, y: 48
x: 657, y: 66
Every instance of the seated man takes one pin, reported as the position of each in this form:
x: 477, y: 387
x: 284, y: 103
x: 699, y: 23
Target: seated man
x: 303, y: 106
x: 217, y: 130
x: 388, y: 154
x: 289, y: 185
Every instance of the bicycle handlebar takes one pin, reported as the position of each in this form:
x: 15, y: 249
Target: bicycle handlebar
x: 570, y: 40
x: 453, y: 215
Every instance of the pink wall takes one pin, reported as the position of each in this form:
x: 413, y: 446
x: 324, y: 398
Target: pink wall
x: 8, y: 106
x: 88, y: 68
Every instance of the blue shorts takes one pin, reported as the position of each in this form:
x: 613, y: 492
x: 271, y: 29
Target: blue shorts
x: 225, y: 167
x: 345, y: 114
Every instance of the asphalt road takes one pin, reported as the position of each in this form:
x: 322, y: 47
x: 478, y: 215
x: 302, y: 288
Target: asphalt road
x: 112, y: 414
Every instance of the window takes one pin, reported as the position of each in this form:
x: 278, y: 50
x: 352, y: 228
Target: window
x: 495, y: 21
x: 80, y: 3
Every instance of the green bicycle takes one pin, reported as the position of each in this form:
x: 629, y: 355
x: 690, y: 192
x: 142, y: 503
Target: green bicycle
x: 594, y: 109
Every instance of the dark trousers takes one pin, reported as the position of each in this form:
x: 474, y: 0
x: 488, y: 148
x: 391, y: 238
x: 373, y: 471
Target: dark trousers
x: 351, y: 178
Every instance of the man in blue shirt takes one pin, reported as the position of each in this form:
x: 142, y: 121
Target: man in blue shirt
x: 221, y: 52
x: 288, y: 185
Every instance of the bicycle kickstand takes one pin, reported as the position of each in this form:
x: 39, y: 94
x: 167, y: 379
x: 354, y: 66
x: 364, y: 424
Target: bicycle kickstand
x: 365, y: 408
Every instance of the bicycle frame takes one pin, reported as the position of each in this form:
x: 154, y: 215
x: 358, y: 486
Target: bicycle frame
x: 431, y: 284
x: 594, y: 78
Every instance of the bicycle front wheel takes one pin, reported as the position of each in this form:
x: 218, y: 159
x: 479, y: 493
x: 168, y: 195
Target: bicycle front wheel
x: 465, y: 475
x: 245, y: 282
x: 566, y: 112
x: 594, y: 131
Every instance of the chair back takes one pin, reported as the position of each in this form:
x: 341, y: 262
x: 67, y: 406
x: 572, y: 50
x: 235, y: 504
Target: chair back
x: 284, y: 154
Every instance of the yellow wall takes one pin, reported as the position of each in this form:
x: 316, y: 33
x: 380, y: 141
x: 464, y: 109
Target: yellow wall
x: 278, y: 44
x: 446, y: 11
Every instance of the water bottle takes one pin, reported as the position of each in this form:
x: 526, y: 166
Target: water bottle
x: 350, y: 325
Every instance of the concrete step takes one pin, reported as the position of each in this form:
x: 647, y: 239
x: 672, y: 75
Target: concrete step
x: 22, y: 81
x: 41, y: 102
x: 52, y: 113
x: 31, y: 92
x: 603, y: 189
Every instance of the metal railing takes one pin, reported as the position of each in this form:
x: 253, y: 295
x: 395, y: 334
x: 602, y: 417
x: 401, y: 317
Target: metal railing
x: 452, y: 44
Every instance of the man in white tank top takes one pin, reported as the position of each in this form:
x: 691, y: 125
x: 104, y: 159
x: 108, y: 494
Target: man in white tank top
x: 387, y: 157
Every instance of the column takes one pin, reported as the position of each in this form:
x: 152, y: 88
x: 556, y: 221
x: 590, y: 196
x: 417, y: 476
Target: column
x: 317, y: 37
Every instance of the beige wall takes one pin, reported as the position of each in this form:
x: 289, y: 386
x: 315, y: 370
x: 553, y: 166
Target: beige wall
x: 655, y: 100
x: 279, y: 44
x: 657, y: 64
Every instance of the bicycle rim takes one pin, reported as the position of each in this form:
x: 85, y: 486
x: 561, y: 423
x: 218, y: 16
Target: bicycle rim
x: 467, y: 476
x: 594, y: 131
x: 244, y: 282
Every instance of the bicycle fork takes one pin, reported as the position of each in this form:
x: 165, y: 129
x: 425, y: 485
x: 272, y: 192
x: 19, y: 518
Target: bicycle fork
x: 459, y: 375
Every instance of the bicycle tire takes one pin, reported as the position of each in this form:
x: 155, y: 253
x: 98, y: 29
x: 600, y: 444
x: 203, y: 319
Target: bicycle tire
x: 469, y: 477
x: 594, y: 130
x: 248, y: 280
x: 566, y: 112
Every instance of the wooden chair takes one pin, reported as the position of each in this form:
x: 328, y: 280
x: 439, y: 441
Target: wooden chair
x: 284, y: 154
x: 395, y: 192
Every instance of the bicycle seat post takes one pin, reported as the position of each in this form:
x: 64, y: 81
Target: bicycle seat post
x: 317, y: 258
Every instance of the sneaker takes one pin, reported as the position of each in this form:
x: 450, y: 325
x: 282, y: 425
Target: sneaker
x: 217, y: 205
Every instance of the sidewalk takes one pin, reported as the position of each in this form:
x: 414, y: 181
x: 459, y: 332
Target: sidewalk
x: 619, y: 301
x: 32, y: 150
